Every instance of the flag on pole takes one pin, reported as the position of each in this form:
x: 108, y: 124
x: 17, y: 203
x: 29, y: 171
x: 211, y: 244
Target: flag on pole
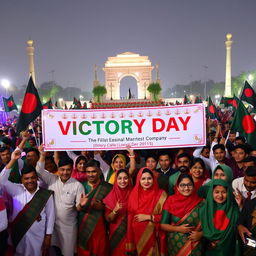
x: 226, y: 101
x: 198, y: 99
x: 48, y: 104
x: 185, y: 100
x: 248, y: 94
x: 9, y: 104
x: 31, y: 107
x: 244, y: 124
x: 211, y: 109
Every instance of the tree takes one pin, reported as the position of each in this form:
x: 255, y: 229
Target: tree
x: 98, y: 92
x: 155, y: 89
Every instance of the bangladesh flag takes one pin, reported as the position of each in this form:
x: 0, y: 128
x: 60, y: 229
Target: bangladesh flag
x: 9, y: 104
x: 235, y: 103
x: 211, y: 109
x: 198, y: 99
x: 226, y: 101
x: 244, y: 124
x: 248, y: 94
x: 31, y: 107
x: 185, y: 100
x: 48, y: 104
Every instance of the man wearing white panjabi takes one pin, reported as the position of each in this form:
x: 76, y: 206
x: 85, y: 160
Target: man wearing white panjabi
x: 33, y: 212
x: 67, y: 193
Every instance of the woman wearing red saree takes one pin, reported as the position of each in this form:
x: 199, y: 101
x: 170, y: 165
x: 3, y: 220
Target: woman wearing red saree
x: 144, y: 214
x: 116, y: 203
x: 198, y: 173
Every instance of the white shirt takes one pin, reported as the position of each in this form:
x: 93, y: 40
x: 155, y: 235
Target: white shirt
x: 238, y: 183
x: 32, y: 241
x: 66, y: 197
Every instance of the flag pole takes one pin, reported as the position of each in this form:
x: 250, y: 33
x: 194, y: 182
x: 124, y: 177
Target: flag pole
x: 37, y: 143
x: 227, y: 137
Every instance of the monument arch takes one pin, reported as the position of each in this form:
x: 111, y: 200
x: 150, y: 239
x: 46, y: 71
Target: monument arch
x: 127, y: 64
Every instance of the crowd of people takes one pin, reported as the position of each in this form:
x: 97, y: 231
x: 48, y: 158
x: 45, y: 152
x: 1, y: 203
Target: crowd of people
x: 183, y: 201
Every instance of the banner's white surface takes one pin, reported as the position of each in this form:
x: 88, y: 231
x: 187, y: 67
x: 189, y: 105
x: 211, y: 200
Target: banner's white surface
x: 111, y: 129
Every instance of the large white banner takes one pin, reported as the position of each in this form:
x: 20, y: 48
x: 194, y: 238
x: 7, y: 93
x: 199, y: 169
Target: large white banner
x: 111, y: 129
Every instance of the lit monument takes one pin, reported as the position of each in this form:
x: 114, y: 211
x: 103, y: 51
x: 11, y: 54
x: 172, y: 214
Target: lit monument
x: 228, y: 66
x: 127, y: 64
x: 30, y: 50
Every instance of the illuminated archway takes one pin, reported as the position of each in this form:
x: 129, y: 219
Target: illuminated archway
x: 127, y: 64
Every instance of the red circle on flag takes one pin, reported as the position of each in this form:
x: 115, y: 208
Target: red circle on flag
x: 234, y: 103
x: 29, y: 103
x: 220, y: 220
x: 212, y: 109
x: 248, y: 92
x: 9, y: 103
x: 45, y: 107
x: 248, y: 124
x: 230, y: 101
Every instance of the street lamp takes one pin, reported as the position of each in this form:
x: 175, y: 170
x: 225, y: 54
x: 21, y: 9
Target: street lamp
x: 6, y: 84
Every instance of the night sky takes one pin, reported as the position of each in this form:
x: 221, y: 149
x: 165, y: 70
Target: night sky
x: 71, y: 36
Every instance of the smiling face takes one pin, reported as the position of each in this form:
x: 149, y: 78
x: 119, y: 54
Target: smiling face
x: 146, y: 181
x: 197, y: 171
x: 151, y: 163
x: 186, y: 187
x: 65, y: 172
x: 29, y: 180
x: 220, y: 194
x: 81, y: 165
x: 93, y: 174
x: 122, y: 180
x: 118, y: 164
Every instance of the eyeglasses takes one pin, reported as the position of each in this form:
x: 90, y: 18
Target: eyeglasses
x: 182, y: 185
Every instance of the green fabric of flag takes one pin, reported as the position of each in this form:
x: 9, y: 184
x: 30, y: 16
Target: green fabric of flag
x: 248, y: 94
x: 48, y: 104
x: 185, y: 100
x: 31, y: 107
x: 244, y: 124
x: 9, y: 104
x: 226, y: 101
x: 211, y: 109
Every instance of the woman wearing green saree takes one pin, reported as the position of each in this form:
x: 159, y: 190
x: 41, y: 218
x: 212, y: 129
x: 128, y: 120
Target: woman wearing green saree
x: 218, y: 218
x: 180, y: 219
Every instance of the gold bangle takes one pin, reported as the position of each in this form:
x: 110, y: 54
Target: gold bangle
x: 114, y: 212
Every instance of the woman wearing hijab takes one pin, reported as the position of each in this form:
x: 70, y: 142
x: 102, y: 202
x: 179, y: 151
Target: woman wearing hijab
x: 116, y: 203
x: 181, y: 221
x: 222, y: 172
x: 198, y: 173
x: 218, y: 218
x: 119, y: 162
x: 144, y: 214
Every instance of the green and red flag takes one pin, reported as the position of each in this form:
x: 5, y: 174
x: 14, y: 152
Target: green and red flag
x: 48, y: 104
x: 248, y: 94
x: 211, y: 109
x: 185, y: 100
x: 198, y: 99
x: 244, y: 123
x: 235, y: 102
x: 31, y: 107
x: 9, y: 104
x: 85, y: 105
x: 66, y: 107
x: 226, y: 101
